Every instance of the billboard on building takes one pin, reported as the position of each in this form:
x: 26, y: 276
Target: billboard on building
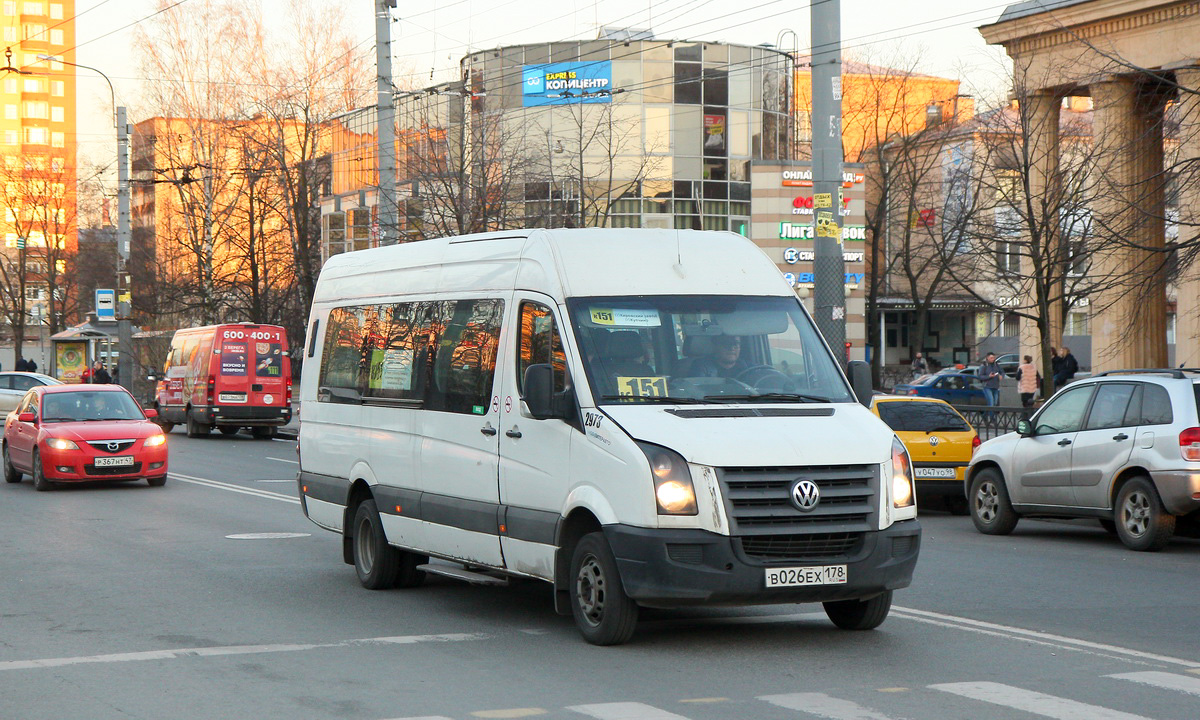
x: 571, y: 82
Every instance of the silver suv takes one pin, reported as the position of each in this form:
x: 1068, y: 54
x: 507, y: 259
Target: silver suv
x: 1122, y: 447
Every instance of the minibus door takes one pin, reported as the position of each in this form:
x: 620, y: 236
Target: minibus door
x: 458, y: 433
x: 534, y: 453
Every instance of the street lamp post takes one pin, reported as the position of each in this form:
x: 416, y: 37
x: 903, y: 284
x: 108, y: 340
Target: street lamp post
x: 124, y: 326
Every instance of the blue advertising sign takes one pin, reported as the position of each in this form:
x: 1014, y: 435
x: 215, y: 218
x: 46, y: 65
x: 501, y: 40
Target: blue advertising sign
x: 106, y: 304
x: 561, y: 83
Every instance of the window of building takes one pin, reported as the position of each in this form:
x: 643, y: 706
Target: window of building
x: 1076, y: 258
x: 10, y: 112
x: 34, y: 85
x: 10, y: 85
x: 10, y: 7
x: 1008, y: 257
x: 33, y: 8
x: 36, y: 109
x: 1170, y: 328
x: 57, y: 114
x: 36, y: 136
x: 1077, y: 324
x: 34, y: 31
x: 56, y: 37
x: 56, y: 11
x: 58, y: 139
x: 10, y: 137
x: 10, y: 33
x: 58, y: 88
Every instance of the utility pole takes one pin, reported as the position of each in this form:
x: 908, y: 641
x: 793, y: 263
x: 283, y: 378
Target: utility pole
x: 385, y: 115
x: 829, y: 271
x: 124, y: 296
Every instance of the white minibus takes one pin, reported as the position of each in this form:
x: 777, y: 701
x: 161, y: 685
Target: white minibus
x: 643, y: 418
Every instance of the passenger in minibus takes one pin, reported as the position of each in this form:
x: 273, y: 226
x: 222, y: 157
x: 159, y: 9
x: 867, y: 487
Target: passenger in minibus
x: 725, y: 361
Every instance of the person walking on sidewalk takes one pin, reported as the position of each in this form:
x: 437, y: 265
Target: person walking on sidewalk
x: 919, y: 366
x: 990, y: 373
x: 1028, y: 381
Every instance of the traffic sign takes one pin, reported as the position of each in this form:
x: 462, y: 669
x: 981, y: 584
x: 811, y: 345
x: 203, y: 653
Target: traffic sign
x: 106, y: 304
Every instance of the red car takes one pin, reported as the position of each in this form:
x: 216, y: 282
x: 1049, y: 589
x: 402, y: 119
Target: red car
x: 82, y: 433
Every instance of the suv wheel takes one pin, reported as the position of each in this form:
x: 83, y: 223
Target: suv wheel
x: 991, y: 510
x: 1142, y: 522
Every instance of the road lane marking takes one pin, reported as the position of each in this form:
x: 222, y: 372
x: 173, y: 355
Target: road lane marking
x: 823, y: 705
x: 625, y: 711
x: 267, y: 536
x: 1034, y: 636
x: 224, y: 650
x: 509, y: 713
x: 293, y: 462
x: 1168, y: 681
x: 425, y: 717
x: 1036, y: 703
x: 706, y: 700
x: 236, y: 488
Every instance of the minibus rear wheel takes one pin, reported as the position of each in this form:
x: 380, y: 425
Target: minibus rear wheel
x: 604, y: 614
x: 379, y: 565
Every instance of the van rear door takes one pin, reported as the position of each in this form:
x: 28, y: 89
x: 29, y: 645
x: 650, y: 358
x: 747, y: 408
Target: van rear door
x: 251, y: 366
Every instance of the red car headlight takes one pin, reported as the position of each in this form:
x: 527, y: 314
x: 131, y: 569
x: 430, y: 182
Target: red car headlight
x: 155, y: 440
x: 61, y: 444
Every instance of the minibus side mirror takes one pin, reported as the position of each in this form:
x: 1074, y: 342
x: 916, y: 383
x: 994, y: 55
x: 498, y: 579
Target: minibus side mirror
x: 539, y: 395
x: 860, y: 381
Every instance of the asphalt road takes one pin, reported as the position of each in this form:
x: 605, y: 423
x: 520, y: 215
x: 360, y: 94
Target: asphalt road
x: 213, y: 597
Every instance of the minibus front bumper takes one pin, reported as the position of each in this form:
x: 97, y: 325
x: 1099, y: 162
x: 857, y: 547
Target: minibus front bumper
x: 671, y: 568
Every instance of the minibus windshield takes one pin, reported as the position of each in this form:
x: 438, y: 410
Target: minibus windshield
x: 703, y: 349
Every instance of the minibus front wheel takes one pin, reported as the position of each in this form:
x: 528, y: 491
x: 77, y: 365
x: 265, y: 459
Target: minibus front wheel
x: 604, y: 614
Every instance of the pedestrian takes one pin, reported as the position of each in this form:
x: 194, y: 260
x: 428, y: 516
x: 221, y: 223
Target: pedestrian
x: 990, y: 373
x: 22, y: 365
x: 86, y: 376
x: 1066, y: 369
x: 1028, y: 381
x: 116, y: 375
x: 31, y: 365
x: 100, y: 376
x: 919, y: 366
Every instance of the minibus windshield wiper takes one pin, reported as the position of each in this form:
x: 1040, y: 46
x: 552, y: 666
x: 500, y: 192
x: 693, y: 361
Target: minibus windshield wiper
x: 672, y: 399
x: 801, y: 397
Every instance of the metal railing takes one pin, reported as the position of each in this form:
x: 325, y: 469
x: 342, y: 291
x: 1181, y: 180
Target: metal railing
x: 992, y: 421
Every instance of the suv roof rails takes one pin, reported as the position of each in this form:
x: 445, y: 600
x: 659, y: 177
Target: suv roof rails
x: 1177, y: 373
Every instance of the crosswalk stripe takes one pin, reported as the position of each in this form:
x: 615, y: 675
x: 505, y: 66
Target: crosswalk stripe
x: 1169, y: 681
x: 625, y: 711
x: 822, y: 705
x: 1033, y: 702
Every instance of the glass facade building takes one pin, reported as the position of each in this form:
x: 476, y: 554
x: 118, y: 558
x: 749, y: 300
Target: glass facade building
x: 606, y: 132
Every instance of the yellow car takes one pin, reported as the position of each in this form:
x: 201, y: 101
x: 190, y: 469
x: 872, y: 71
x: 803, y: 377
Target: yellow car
x: 939, y: 441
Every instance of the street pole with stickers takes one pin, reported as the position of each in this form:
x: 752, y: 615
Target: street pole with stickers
x: 829, y: 272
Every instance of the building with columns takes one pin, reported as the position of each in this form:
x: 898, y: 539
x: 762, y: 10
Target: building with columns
x: 1139, y: 61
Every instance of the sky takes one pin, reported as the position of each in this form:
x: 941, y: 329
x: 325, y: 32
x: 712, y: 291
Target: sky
x: 430, y: 36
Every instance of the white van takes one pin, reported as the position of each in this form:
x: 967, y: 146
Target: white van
x: 640, y: 417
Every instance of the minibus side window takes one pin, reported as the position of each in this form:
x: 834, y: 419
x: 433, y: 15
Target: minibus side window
x: 342, y: 358
x: 540, y: 343
x: 397, y: 359
x: 465, y: 337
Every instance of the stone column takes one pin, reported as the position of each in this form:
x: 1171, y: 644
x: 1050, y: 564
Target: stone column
x: 1045, y: 188
x: 1129, y: 313
x: 1187, y: 305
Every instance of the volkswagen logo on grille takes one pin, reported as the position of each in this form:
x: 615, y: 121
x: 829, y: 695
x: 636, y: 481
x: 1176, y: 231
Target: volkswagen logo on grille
x: 113, y: 446
x: 934, y: 440
x: 805, y: 495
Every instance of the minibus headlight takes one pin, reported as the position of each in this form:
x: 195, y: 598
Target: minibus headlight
x: 901, y: 475
x: 673, y: 489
